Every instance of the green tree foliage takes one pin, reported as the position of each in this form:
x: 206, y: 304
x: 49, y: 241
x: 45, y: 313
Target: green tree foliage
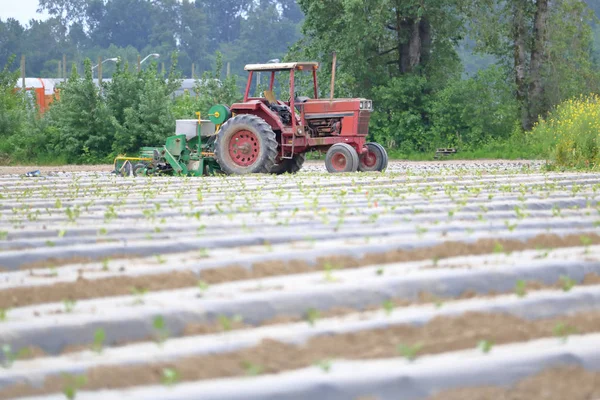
x: 470, y: 112
x: 246, y: 31
x: 12, y: 110
x: 386, y: 50
x: 212, y: 89
x: 82, y: 120
x: 548, y: 65
x: 148, y: 119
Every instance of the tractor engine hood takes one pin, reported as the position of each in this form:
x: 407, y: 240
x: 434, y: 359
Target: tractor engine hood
x: 337, y: 105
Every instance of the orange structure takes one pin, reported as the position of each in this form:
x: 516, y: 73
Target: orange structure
x: 45, y: 90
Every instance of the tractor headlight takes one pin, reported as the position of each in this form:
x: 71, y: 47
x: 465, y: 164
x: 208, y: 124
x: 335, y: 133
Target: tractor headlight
x: 362, y: 105
x: 370, y: 105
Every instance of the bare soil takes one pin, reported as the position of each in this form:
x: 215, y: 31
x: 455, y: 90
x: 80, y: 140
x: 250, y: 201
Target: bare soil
x: 442, y: 334
x: 114, y: 286
x: 571, y: 382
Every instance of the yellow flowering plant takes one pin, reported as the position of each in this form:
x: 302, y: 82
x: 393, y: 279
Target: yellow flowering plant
x: 570, y: 134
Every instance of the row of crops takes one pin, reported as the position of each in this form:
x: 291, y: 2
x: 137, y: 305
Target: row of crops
x: 444, y: 281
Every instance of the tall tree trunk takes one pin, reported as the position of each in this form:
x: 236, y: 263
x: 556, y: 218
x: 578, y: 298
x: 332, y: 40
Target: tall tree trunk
x: 538, y: 51
x: 520, y: 60
x: 414, y: 45
x: 425, y: 32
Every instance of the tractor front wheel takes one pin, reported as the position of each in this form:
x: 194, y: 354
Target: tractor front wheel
x: 246, y: 145
x: 374, y: 159
x: 341, y: 157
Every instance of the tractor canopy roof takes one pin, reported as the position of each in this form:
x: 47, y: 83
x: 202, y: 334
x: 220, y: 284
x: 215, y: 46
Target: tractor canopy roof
x: 282, y: 66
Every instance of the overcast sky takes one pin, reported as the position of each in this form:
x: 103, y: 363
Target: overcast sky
x: 21, y: 10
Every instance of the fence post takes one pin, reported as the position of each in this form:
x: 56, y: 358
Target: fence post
x: 59, y: 71
x: 23, y: 73
x: 99, y: 72
x: 139, y: 63
x: 193, y: 70
x: 228, y: 68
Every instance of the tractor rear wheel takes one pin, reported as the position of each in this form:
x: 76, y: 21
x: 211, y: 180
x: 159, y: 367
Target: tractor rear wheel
x: 341, y: 157
x: 246, y: 145
x: 289, y: 165
x: 374, y: 159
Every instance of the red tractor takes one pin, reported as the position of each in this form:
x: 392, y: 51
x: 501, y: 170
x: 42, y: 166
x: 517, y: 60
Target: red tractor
x: 266, y: 135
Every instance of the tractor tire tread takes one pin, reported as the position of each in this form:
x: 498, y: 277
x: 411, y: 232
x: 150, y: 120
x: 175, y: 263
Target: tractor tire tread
x: 268, y: 140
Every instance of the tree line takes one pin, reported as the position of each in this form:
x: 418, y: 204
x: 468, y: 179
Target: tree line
x: 196, y: 29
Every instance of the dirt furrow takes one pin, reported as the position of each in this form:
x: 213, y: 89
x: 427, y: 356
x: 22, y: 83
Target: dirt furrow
x: 440, y: 335
x: 124, y: 285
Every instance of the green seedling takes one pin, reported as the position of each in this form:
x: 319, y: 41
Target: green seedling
x: 562, y: 331
x: 388, y: 307
x: 586, y: 241
x: 543, y: 252
x: 203, y: 287
x: 251, y: 368
x: 170, y: 376
x: 521, y: 288
x: 328, y: 267
x: 268, y: 246
x: 485, y: 346
x: 227, y: 323
x: 509, y: 226
x: 69, y: 305
x: 556, y: 211
x: 61, y: 233
x: 160, y: 328
x: 10, y: 357
x: 3, y: 235
x: 203, y: 253
x: 410, y: 352
x: 380, y: 271
x: 498, y: 248
x: 566, y: 283
x: 102, y: 231
x: 421, y: 231
x: 138, y: 293
x: 3, y: 313
x: 160, y: 259
x: 99, y: 338
x: 50, y: 243
x: 325, y: 365
x: 53, y: 272
x: 105, y: 264
x: 312, y: 315
x: 73, y: 384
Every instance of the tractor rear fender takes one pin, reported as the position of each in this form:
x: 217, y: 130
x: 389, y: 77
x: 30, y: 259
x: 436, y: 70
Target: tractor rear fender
x: 258, y: 108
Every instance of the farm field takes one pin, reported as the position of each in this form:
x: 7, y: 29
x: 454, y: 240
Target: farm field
x: 439, y: 280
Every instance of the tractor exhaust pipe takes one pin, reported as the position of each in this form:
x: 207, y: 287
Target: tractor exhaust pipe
x: 333, y: 77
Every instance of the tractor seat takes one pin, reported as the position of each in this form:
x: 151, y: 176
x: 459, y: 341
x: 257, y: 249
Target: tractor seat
x: 272, y: 102
x: 284, y: 112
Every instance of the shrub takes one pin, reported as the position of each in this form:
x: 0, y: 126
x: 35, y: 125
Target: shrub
x: 468, y: 113
x: 569, y: 134
x: 82, y: 120
x: 12, y: 104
